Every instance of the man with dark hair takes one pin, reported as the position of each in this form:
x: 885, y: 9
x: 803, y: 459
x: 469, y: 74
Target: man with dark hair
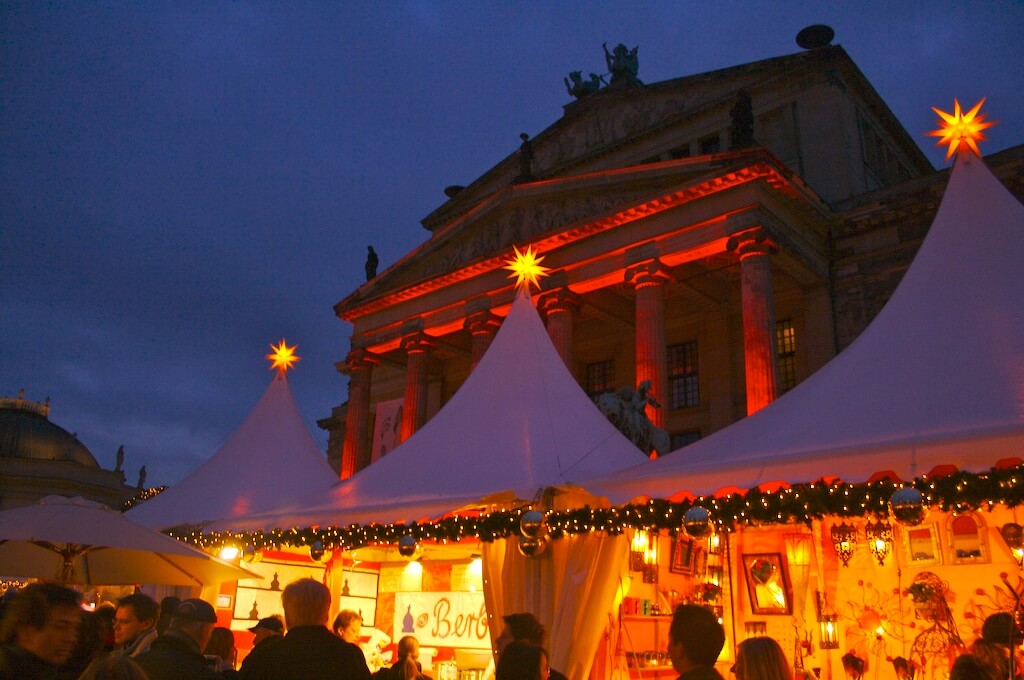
x: 168, y: 606
x: 135, y: 624
x: 523, y: 627
x: 695, y: 639
x: 178, y: 653
x: 309, y: 651
x: 39, y: 631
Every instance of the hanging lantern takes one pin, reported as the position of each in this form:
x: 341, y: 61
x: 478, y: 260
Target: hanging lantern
x: 407, y: 546
x: 1013, y: 535
x: 907, y: 506
x: 318, y: 553
x: 715, y: 544
x: 651, y: 559
x: 697, y: 522
x: 828, y: 632
x: 844, y: 540
x: 879, y: 535
x: 531, y: 524
x: 532, y: 547
x: 251, y: 554
x: 637, y: 548
x: 828, y: 629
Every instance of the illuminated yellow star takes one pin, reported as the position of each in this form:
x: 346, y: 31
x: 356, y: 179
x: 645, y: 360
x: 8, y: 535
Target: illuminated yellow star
x: 959, y: 128
x: 526, y: 268
x: 283, y: 356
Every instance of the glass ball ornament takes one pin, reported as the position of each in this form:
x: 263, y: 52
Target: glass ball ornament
x: 531, y: 524
x: 317, y: 552
x: 697, y: 522
x: 907, y: 506
x: 532, y: 547
x: 407, y: 546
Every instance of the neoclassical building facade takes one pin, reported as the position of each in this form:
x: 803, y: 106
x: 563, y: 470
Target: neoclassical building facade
x: 722, y: 235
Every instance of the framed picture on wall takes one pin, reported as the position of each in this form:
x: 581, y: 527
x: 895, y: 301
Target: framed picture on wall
x: 682, y: 556
x: 769, y: 588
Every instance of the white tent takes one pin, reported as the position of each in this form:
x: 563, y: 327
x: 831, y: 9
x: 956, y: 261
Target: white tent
x: 520, y: 429
x: 270, y: 460
x: 936, y: 379
x: 519, y: 424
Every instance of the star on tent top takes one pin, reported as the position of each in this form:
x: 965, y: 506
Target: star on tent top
x: 526, y: 269
x: 958, y: 128
x: 283, y: 357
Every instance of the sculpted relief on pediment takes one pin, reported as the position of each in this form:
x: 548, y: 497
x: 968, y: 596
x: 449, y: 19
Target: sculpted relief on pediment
x: 516, y: 225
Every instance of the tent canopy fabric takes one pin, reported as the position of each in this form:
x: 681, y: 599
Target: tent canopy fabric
x: 519, y: 424
x: 937, y: 378
x: 270, y: 460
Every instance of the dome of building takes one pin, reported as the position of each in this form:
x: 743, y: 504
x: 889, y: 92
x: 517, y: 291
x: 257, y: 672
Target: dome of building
x: 26, y: 432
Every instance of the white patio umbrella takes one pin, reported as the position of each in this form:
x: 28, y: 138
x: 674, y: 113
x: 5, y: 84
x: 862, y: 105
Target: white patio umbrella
x: 75, y: 540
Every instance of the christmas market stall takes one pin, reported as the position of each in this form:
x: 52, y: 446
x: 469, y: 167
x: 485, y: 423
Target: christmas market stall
x: 868, y: 519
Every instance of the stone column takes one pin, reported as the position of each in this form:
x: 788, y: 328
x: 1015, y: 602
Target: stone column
x: 355, y: 450
x: 760, y: 356
x: 649, y: 279
x: 414, y: 408
x: 560, y: 306
x: 482, y: 327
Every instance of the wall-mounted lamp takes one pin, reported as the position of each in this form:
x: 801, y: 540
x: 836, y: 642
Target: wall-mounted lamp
x: 637, y: 548
x: 651, y: 559
x: 844, y: 540
x: 879, y: 535
x: 715, y: 544
x: 714, y: 575
x: 1013, y: 534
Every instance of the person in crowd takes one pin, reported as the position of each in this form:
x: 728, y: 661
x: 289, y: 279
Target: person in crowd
x: 105, y: 614
x: 135, y: 624
x: 177, y: 654
x: 407, y: 665
x: 309, y: 651
x: 521, y: 660
x: 114, y: 667
x: 39, y: 631
x: 695, y: 639
x: 523, y: 627
x: 221, y: 652
x: 88, y: 648
x: 270, y: 628
x: 168, y: 606
x: 348, y: 625
x: 968, y: 667
x: 761, y: 658
x: 999, y: 634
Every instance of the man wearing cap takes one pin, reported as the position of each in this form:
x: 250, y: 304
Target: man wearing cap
x: 309, y: 651
x: 269, y: 628
x: 177, y: 654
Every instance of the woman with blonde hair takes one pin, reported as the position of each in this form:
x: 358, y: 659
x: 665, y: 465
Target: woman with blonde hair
x: 761, y: 658
x: 406, y: 666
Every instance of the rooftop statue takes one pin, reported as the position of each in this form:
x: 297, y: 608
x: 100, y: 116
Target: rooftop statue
x: 580, y: 88
x: 623, y: 64
x: 626, y: 409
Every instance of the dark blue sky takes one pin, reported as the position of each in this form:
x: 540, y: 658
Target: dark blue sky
x: 182, y: 184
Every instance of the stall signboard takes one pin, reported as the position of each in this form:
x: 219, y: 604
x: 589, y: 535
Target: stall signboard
x: 443, y: 619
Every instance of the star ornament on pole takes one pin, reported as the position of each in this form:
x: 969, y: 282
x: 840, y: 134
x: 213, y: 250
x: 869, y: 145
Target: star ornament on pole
x: 961, y: 130
x: 283, y: 357
x: 526, y: 269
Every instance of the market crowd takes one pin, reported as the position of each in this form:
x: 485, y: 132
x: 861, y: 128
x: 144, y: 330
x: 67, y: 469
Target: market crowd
x: 46, y: 634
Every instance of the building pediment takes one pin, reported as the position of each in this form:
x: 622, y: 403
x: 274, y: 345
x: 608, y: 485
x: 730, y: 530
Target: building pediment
x: 555, y: 212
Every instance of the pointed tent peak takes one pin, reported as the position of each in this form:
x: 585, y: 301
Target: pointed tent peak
x: 526, y: 269
x: 961, y: 131
x: 282, y: 357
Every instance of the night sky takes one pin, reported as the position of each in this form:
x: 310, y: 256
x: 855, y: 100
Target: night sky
x: 182, y: 184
